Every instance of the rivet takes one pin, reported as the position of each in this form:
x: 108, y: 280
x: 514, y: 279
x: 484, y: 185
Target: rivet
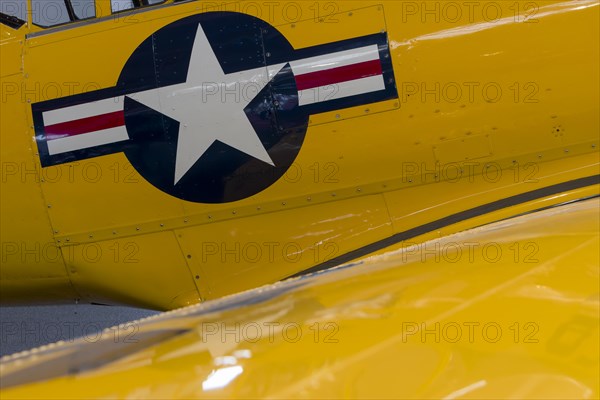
x: 258, y: 208
x: 210, y: 217
x: 333, y: 194
x: 308, y: 199
x: 68, y: 240
x: 137, y: 229
x: 283, y: 203
x: 234, y: 212
x: 197, y: 276
x: 189, y: 256
x: 91, y: 236
x: 185, y: 221
x: 114, y: 232
x: 359, y: 190
x: 162, y: 225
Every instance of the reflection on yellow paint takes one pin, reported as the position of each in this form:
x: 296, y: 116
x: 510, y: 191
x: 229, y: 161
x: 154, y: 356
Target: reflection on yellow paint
x: 397, y: 325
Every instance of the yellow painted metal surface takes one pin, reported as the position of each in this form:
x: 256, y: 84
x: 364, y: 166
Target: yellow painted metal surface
x: 507, y: 310
x: 32, y: 268
x: 499, y: 101
x: 320, y: 233
x: 106, y: 271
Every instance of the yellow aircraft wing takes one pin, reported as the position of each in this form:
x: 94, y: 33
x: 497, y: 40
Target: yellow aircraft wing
x: 506, y: 310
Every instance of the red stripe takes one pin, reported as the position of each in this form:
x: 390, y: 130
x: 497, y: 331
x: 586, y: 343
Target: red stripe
x: 338, y: 75
x: 85, y: 125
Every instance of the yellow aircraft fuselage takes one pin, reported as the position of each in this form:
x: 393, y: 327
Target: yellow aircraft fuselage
x: 184, y: 151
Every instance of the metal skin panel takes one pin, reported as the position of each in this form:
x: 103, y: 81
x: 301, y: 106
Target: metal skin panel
x: 517, y: 322
x: 37, y: 270
x: 476, y: 187
x: 110, y: 93
x: 264, y: 245
x: 11, y: 54
x: 132, y: 272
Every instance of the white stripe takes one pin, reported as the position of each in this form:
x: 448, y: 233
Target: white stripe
x: 87, y: 140
x: 335, y: 60
x: 83, y: 111
x: 341, y: 90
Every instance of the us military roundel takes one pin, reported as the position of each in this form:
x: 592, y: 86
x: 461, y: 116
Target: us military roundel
x: 214, y: 107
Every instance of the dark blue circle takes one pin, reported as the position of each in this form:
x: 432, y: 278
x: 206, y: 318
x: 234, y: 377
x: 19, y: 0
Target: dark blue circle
x: 223, y: 174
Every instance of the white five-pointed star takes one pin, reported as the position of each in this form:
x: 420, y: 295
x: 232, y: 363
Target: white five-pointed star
x: 210, y: 106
